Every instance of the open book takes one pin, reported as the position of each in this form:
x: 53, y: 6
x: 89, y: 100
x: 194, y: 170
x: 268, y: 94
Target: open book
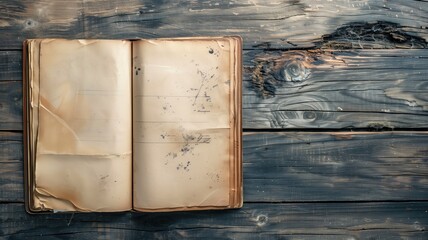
x: 144, y: 125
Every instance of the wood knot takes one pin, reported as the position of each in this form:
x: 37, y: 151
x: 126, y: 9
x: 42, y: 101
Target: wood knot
x: 261, y: 220
x: 30, y: 23
x: 295, y: 70
x: 302, y: 112
x: 284, y: 69
x: 380, y: 34
x: 309, y: 115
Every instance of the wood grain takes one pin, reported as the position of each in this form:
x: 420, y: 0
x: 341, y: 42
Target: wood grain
x: 11, y: 170
x: 298, y: 185
x: 336, y: 166
x: 10, y: 65
x: 10, y: 105
x: 328, y: 89
x: 336, y: 89
x: 301, y: 167
x: 406, y: 220
x: 262, y: 24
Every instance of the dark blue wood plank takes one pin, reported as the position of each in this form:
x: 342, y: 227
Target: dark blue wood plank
x: 383, y: 221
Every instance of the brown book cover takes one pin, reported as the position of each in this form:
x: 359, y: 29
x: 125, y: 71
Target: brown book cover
x: 132, y: 125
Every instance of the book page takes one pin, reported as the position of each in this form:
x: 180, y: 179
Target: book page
x: 31, y: 95
x: 83, y: 154
x: 181, y: 123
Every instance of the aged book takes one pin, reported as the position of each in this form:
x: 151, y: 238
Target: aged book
x: 143, y: 125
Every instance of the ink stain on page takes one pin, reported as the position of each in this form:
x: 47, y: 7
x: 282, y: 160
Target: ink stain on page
x: 204, y: 79
x: 215, y: 177
x: 166, y: 135
x: 137, y: 70
x: 172, y: 155
x: 104, y: 177
x: 186, y: 149
x: 207, y: 97
x: 167, y: 108
x: 184, y: 166
x: 191, y: 141
x: 213, y: 52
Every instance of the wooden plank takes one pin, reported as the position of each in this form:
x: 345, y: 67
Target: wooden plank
x: 301, y: 167
x: 10, y: 105
x: 10, y: 65
x: 21, y: 20
x: 11, y: 170
x: 262, y: 24
x: 336, y: 89
x: 407, y: 220
x: 335, y: 166
x: 323, y: 89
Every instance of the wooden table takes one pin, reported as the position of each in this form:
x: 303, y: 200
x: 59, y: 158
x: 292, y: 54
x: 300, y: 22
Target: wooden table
x: 335, y: 116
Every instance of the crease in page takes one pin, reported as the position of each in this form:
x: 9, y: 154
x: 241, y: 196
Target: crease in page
x: 45, y: 192
x: 60, y: 120
x: 100, y: 156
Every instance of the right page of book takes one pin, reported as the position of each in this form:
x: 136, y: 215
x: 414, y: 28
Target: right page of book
x: 181, y: 123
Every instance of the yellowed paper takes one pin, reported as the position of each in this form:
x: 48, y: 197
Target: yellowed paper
x: 181, y: 123
x: 83, y: 159
x: 32, y: 111
x: 34, y: 52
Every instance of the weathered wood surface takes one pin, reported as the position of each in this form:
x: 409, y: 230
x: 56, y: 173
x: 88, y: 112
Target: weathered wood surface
x: 11, y: 167
x: 302, y: 89
x: 263, y: 24
x: 10, y: 105
x: 308, y: 65
x: 10, y: 65
x: 336, y: 89
x: 335, y: 166
x: 300, y: 167
x: 383, y: 221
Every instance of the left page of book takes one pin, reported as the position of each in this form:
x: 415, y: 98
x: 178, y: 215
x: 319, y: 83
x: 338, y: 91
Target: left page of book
x: 81, y: 115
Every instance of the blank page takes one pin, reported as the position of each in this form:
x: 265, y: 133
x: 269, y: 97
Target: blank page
x: 83, y: 160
